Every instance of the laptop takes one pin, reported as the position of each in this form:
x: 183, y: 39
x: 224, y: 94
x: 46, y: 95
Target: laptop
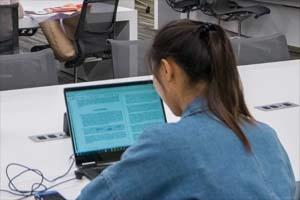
x: 104, y: 120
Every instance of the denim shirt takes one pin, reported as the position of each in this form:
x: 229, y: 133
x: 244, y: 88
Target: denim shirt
x: 198, y: 158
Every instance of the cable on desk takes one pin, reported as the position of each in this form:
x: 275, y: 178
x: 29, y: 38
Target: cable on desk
x: 35, y: 187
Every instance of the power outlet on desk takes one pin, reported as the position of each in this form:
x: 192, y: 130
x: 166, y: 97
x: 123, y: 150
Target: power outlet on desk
x: 277, y: 106
x: 48, y: 137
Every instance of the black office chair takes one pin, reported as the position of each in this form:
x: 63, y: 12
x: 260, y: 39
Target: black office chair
x: 9, y: 23
x: 96, y: 25
x: 185, y: 6
x: 129, y: 57
x: 228, y: 10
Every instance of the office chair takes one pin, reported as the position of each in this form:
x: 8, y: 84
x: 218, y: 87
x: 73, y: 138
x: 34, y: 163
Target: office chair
x: 228, y: 10
x: 27, y: 32
x: 129, y: 57
x: 261, y: 49
x: 185, y: 6
x: 28, y: 70
x: 96, y: 25
x: 9, y: 23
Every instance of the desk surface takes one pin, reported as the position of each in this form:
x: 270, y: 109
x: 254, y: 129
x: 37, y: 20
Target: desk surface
x: 31, y: 112
x: 40, y: 110
x: 271, y: 83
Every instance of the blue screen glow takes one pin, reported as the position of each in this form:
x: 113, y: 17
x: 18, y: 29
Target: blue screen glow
x: 110, y: 119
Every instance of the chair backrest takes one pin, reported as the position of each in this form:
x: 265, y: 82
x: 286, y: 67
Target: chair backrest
x: 129, y: 57
x: 28, y: 70
x: 260, y: 50
x: 219, y: 4
x: 95, y: 26
x: 184, y: 5
x: 233, y: 11
x: 9, y: 23
x: 216, y: 6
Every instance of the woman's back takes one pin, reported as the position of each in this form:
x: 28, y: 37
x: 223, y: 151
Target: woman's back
x: 212, y: 159
x: 199, y: 158
x: 217, y: 150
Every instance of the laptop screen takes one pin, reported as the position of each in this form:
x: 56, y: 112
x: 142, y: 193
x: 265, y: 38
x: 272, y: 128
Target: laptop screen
x: 110, y: 118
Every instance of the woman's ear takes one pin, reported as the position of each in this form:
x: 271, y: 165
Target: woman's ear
x: 167, y: 69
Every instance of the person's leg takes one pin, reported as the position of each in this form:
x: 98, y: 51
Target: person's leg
x: 62, y: 46
x: 70, y: 25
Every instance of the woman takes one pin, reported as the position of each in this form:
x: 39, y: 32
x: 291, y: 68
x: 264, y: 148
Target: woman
x: 217, y: 150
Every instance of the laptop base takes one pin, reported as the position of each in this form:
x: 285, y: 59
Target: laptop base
x: 90, y: 172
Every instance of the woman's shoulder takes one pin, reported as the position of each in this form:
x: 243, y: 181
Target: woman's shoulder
x: 160, y: 130
x: 199, y: 123
x: 258, y: 127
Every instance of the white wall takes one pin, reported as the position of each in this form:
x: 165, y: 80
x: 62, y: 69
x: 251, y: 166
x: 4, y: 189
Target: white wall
x: 127, y: 3
x: 282, y: 19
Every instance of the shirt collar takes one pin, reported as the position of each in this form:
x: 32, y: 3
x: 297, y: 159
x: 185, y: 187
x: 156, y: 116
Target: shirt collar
x: 199, y: 104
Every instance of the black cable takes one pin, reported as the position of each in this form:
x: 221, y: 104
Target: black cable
x: 60, y: 183
x: 10, y: 192
x: 35, y: 187
x: 11, y: 184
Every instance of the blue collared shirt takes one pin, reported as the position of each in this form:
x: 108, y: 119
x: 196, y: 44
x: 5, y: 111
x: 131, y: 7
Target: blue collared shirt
x: 198, y: 158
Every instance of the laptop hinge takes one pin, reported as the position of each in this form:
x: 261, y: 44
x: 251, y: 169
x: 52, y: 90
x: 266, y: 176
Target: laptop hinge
x: 105, y: 163
x: 95, y: 164
x: 88, y: 164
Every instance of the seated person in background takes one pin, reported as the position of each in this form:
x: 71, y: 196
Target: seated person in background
x: 217, y: 150
x: 60, y: 32
x: 60, y: 36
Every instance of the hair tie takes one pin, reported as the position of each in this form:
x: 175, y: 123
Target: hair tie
x: 205, y: 28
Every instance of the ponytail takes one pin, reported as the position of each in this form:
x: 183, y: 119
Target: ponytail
x: 225, y: 98
x: 204, y: 53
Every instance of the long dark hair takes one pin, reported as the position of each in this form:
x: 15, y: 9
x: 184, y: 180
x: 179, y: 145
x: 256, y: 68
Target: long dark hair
x: 204, y: 53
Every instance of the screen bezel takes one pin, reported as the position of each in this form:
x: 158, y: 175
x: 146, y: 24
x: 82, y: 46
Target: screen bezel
x: 97, y: 156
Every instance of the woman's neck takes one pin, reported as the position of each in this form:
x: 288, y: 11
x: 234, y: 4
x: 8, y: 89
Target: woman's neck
x: 189, y: 94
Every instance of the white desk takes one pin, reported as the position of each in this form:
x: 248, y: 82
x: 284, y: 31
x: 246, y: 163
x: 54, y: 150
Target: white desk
x: 40, y: 110
x: 30, y: 20
x: 36, y: 111
x: 276, y: 83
